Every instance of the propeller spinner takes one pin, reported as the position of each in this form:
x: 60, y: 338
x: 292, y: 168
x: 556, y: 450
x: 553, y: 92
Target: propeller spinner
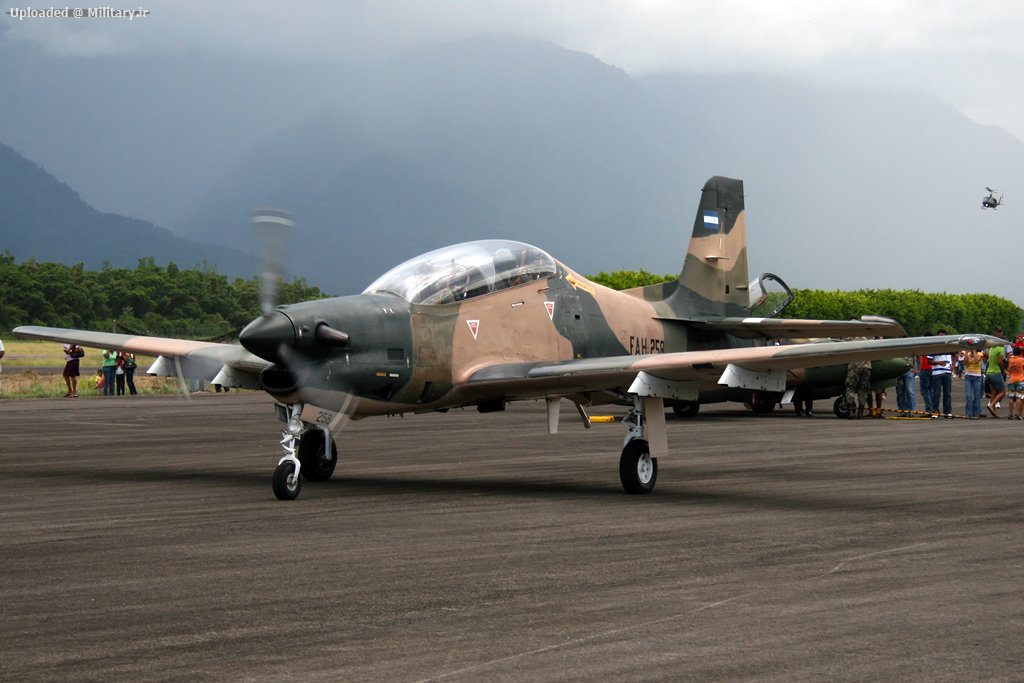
x: 265, y: 336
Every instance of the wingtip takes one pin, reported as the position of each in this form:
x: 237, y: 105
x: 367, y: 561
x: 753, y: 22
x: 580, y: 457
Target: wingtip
x: 979, y: 341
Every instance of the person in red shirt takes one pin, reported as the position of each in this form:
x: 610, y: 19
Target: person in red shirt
x: 924, y: 375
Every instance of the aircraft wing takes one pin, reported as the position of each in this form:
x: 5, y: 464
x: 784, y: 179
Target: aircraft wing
x: 794, y: 328
x: 760, y: 365
x: 225, y: 364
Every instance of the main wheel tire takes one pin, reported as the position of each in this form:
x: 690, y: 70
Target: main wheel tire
x: 840, y: 408
x: 316, y: 466
x: 762, y: 404
x: 686, y: 409
x: 638, y: 471
x: 285, y: 486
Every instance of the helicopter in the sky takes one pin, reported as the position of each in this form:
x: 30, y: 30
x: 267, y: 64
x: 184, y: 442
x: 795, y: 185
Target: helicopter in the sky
x: 990, y: 201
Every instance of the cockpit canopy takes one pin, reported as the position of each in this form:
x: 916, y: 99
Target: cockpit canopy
x: 463, y: 271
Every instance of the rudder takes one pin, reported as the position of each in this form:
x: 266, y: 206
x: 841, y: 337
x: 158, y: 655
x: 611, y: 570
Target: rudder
x: 714, y: 280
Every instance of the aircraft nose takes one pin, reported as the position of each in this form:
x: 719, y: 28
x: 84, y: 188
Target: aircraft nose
x: 264, y: 336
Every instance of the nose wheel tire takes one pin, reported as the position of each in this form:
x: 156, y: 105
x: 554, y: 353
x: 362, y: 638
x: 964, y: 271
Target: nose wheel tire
x: 638, y: 471
x: 287, y: 483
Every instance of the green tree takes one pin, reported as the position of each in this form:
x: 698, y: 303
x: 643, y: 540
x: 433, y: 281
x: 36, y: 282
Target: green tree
x: 629, y: 279
x: 918, y: 312
x: 149, y: 299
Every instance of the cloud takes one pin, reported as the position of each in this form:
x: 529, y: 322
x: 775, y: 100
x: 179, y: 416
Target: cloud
x: 644, y: 33
x: 966, y: 53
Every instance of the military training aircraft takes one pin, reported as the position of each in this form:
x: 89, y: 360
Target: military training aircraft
x: 990, y: 201
x: 488, y: 322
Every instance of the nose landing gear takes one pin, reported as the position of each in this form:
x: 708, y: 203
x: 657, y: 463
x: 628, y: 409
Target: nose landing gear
x: 286, y: 480
x: 309, y: 452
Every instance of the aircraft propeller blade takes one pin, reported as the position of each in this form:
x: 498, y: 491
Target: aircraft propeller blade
x: 308, y: 372
x: 273, y: 336
x: 182, y: 385
x: 272, y: 231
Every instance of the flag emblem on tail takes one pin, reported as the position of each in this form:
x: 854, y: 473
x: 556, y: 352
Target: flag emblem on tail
x: 711, y: 220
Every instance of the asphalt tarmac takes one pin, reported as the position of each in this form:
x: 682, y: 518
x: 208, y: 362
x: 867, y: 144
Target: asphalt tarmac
x: 140, y: 540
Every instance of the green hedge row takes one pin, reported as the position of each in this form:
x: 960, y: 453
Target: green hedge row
x: 149, y: 299
x: 918, y: 312
x: 200, y: 303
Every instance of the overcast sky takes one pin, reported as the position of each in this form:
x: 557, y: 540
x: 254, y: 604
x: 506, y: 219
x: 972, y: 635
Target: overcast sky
x: 969, y: 54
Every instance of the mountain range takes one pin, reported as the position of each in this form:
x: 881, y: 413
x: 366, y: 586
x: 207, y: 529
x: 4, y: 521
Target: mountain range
x: 45, y: 219
x: 503, y: 137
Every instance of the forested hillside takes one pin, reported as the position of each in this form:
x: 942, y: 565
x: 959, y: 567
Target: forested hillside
x: 198, y: 303
x: 45, y: 219
x: 493, y: 137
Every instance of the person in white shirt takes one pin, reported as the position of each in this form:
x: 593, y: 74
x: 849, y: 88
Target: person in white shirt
x: 942, y: 382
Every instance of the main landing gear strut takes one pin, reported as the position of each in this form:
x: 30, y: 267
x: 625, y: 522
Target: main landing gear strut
x: 309, y: 452
x: 638, y: 468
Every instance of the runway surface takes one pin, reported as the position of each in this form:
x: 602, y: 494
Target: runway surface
x: 141, y: 541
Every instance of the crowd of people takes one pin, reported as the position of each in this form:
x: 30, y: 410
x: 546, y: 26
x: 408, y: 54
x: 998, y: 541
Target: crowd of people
x: 115, y: 374
x: 114, y: 377
x: 996, y: 373
x: 116, y: 371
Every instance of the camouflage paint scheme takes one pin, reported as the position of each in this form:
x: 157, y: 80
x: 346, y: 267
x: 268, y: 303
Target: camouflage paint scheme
x: 562, y: 335
x: 552, y: 334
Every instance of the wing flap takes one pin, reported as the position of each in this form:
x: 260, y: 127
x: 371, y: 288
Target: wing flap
x: 796, y: 328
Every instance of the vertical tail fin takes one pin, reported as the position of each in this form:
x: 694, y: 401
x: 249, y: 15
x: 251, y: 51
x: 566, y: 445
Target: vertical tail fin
x: 714, y: 280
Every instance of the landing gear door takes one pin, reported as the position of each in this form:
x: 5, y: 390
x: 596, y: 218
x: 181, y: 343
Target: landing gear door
x: 769, y: 295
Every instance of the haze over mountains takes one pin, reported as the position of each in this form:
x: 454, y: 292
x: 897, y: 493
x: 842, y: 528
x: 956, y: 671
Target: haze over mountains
x: 46, y: 219
x: 503, y: 137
